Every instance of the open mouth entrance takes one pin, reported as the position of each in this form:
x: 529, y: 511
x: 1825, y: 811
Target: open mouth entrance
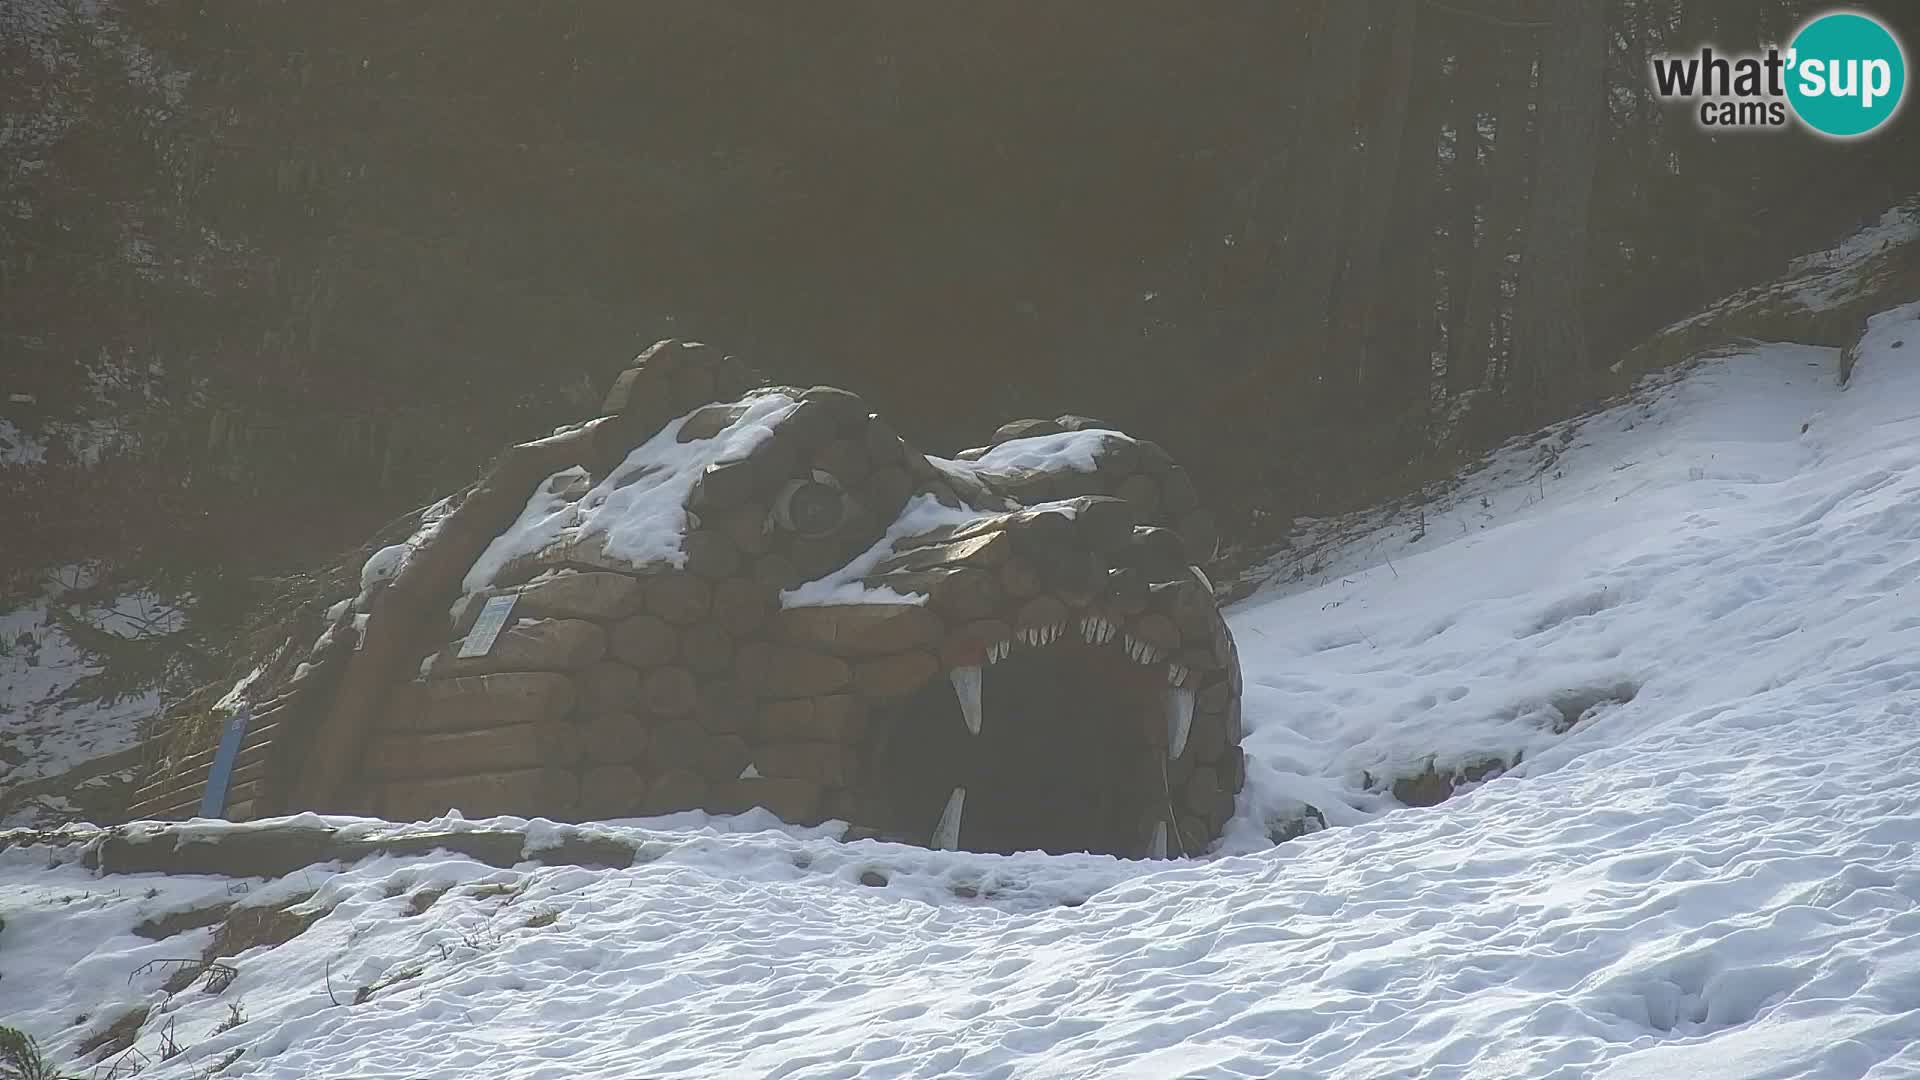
x: 1064, y: 762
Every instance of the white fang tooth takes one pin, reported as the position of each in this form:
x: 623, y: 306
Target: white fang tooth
x: 1179, y: 719
x: 1086, y: 629
x: 966, y: 686
x: 946, y: 835
x: 1157, y: 847
x: 1132, y: 651
x: 1107, y: 630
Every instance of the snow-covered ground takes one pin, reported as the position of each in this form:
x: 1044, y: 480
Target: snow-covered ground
x: 1824, y: 280
x: 43, y: 730
x: 1711, y: 874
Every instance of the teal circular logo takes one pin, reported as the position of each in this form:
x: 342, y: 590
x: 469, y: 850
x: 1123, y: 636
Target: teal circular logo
x: 1846, y: 74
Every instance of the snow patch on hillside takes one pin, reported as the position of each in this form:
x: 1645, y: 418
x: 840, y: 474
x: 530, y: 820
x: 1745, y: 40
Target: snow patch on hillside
x: 43, y: 730
x: 1567, y: 583
x: 19, y: 448
x: 1825, y: 279
x: 1849, y: 272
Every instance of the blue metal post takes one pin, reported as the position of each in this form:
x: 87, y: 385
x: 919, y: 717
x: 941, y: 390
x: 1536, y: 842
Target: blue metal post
x: 214, y: 803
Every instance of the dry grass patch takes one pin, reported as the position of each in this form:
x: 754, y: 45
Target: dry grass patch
x: 251, y: 927
x: 117, y: 1037
x: 179, y: 922
x: 365, y: 993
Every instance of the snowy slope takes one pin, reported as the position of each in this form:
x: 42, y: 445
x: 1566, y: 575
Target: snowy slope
x: 44, y: 730
x: 1714, y: 875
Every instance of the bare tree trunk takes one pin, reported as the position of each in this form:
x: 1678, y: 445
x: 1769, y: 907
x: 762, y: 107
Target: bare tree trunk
x: 1309, y: 256
x: 1509, y: 162
x: 1357, y: 336
x: 1466, y: 360
x: 1400, y: 377
x: 1550, y: 342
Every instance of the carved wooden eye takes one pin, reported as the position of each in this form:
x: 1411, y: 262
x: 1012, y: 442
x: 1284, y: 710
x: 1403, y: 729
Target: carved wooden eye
x: 811, y: 508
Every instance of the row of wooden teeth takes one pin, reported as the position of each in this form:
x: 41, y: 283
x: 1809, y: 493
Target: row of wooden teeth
x: 968, y: 681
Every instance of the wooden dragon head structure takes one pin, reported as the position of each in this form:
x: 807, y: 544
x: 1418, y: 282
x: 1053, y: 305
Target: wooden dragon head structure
x: 717, y: 597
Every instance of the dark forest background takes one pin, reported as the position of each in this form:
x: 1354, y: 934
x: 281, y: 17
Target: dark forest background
x: 303, y: 265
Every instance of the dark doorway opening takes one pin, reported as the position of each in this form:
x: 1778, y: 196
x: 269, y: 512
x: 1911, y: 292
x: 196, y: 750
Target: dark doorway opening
x: 1063, y: 759
x: 1062, y: 762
